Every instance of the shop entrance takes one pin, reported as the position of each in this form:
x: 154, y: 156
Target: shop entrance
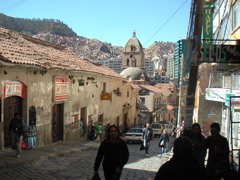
x: 12, y: 104
x: 57, y: 122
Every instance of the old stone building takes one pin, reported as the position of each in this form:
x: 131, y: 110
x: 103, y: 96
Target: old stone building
x: 53, y: 88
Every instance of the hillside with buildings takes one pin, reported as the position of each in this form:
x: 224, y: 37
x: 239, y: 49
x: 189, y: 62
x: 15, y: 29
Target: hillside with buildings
x: 57, y: 32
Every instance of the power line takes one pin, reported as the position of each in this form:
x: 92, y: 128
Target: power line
x: 13, y: 6
x: 165, y: 23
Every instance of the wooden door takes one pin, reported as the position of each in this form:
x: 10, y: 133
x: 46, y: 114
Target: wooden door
x: 84, y: 118
x: 57, y: 123
x: 12, y: 105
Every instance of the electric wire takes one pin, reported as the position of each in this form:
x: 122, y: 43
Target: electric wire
x: 12, y: 6
x: 165, y: 23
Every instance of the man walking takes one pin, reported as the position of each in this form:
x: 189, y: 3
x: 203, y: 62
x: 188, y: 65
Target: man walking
x: 147, y: 137
x: 16, y: 128
x: 218, y: 158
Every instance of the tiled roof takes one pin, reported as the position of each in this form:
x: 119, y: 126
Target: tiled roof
x: 151, y: 88
x: 166, y: 89
x: 20, y: 49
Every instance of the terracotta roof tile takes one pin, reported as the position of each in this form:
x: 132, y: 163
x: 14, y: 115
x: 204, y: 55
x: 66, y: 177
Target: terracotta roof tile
x: 151, y: 88
x: 21, y: 49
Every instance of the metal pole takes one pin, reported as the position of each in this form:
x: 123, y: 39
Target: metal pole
x: 231, y: 135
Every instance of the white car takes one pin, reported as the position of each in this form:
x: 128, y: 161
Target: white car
x: 157, y: 129
x: 134, y: 135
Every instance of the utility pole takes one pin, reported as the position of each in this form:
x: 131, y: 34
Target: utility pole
x: 194, y: 34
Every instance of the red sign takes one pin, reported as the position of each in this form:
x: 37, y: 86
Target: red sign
x: 14, y: 88
x: 61, y: 88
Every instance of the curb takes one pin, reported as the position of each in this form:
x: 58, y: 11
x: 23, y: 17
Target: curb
x: 7, y: 165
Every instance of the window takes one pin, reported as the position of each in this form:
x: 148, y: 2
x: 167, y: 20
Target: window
x: 142, y: 99
x: 75, y: 121
x: 236, y: 15
x: 227, y: 82
x: 236, y: 82
x: 104, y: 88
x: 216, y: 80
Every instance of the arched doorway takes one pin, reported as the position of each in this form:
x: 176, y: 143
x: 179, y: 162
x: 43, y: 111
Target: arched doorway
x: 14, y: 95
x: 12, y: 104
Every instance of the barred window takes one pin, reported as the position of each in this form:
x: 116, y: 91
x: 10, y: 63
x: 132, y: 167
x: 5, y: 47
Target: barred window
x: 227, y: 82
x: 236, y: 82
x: 216, y: 80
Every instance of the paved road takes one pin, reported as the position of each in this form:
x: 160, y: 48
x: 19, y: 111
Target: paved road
x: 80, y: 166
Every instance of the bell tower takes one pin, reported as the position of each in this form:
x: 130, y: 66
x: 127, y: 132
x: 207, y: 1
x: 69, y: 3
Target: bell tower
x: 133, y: 55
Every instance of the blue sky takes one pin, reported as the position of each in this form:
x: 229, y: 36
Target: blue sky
x: 111, y: 21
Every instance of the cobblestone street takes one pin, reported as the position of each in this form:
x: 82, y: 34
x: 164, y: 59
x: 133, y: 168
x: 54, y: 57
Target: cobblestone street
x: 80, y: 166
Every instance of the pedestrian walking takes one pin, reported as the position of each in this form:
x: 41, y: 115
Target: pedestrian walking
x: 100, y: 131
x: 16, y: 130
x: 218, y: 157
x: 199, y: 143
x: 147, y: 137
x: 164, y: 142
x: 114, y: 153
x: 93, y: 132
x: 181, y: 161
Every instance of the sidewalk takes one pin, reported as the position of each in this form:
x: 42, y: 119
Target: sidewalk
x: 8, y: 156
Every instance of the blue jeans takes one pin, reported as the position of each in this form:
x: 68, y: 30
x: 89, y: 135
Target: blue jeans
x: 165, y: 148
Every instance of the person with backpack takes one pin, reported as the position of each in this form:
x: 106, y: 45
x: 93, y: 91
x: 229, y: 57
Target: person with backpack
x: 17, y: 128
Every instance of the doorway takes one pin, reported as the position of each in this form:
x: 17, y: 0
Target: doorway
x: 12, y: 104
x: 84, y: 118
x: 57, y: 122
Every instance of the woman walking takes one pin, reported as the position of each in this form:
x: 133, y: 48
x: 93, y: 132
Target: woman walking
x: 114, y: 153
x: 163, y: 142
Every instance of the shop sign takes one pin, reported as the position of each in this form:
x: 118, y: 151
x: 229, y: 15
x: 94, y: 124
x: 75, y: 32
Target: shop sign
x: 207, y: 30
x: 220, y: 54
x: 60, y: 88
x: 106, y: 96
x: 216, y: 94
x: 14, y: 88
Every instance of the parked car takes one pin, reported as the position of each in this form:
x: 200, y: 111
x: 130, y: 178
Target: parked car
x: 134, y: 135
x: 157, y: 129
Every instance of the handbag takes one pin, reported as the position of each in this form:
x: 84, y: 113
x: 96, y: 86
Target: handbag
x: 142, y: 147
x: 96, y: 177
x: 161, y: 143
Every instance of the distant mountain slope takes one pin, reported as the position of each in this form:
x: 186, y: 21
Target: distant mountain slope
x: 57, y: 32
x: 35, y: 26
x: 84, y: 47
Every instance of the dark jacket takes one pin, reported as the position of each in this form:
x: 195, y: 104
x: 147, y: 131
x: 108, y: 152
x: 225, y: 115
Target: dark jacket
x: 199, y: 148
x: 215, y: 157
x: 17, y: 126
x: 182, y: 167
x: 114, y: 154
x: 147, y: 134
x: 164, y: 138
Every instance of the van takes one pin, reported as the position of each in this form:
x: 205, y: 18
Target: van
x: 157, y: 129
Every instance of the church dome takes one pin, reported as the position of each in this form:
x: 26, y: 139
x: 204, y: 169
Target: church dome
x: 134, y: 73
x: 133, y: 44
